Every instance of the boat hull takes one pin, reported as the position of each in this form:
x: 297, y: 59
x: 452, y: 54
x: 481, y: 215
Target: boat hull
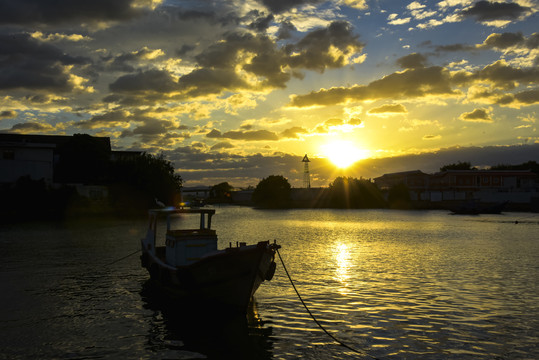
x: 226, y: 278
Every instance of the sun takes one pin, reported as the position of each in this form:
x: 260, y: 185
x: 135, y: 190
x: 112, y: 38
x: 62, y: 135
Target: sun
x: 343, y: 153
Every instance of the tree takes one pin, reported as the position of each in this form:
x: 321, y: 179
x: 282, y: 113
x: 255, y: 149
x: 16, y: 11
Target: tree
x: 272, y: 192
x: 399, y: 197
x: 136, y: 183
x: 530, y: 165
x: 221, y: 192
x: 352, y: 193
x: 458, y: 166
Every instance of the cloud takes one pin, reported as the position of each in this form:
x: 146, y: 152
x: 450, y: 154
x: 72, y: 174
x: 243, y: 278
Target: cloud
x: 247, y: 135
x: 110, y: 119
x: 262, y: 23
x: 31, y: 127
x: 504, y: 76
x: 222, y: 145
x: 38, y: 35
x: 497, y: 41
x: 331, y: 47
x: 280, y: 6
x: 61, y: 11
x: 157, y: 81
x: 8, y: 114
x: 489, y: 11
x: 29, y: 64
x: 241, y: 61
x: 126, y: 62
x: 388, y: 109
x: 477, y: 115
x: 393, y: 20
x: 410, y: 83
x: 431, y: 137
x: 293, y: 132
x: 412, y: 61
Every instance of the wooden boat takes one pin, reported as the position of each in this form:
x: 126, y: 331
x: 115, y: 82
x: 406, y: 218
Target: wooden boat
x: 190, y: 267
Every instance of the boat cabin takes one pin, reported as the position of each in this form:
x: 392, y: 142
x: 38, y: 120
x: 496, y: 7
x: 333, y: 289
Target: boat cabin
x: 185, y: 246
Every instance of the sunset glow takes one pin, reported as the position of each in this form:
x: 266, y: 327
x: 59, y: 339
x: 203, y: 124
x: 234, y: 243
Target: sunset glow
x: 343, y: 153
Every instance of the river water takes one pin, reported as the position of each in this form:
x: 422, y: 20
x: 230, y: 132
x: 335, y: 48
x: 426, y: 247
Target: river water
x: 389, y: 284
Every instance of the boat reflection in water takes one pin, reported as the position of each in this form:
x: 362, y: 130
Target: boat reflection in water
x: 194, y: 331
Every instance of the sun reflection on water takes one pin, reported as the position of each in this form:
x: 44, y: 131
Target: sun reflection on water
x: 342, y: 270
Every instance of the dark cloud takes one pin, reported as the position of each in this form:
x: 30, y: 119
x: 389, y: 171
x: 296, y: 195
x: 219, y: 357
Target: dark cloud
x: 247, y: 135
x: 504, y: 76
x: 412, y: 61
x: 455, y: 47
x: 211, y: 16
x: 422, y: 82
x: 521, y: 98
x: 185, y: 49
x: 31, y: 127
x: 8, y: 114
x: 207, y: 81
x: 293, y: 132
x: 267, y: 60
x: 504, y: 41
x: 59, y: 11
x: 487, y: 11
x: 477, y: 115
x: 316, y: 50
x: 154, y: 127
x: 108, y: 120
x: 158, y: 81
x: 255, y: 54
x: 388, y: 109
x: 29, y: 64
x: 251, y: 135
x: 411, y: 83
x: 126, y: 62
x: 222, y: 145
x: 285, y: 30
x: 214, y: 134
x: 279, y: 6
x: 261, y: 24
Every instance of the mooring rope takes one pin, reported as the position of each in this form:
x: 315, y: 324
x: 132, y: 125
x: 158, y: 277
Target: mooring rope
x: 315, y: 320
x: 125, y: 257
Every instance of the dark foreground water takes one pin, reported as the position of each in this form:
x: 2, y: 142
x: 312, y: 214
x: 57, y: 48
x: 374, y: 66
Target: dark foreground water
x: 395, y: 285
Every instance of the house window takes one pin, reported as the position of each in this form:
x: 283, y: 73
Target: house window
x: 8, y: 155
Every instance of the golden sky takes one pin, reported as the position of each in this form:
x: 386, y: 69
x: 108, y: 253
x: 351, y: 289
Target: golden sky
x: 239, y: 90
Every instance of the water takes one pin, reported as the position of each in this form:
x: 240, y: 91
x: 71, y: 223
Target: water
x: 392, y: 284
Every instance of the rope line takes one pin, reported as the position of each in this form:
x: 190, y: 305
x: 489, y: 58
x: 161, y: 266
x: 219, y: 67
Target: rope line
x: 315, y: 320
x: 125, y: 257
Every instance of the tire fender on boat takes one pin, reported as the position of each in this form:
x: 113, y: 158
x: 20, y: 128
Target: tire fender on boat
x: 271, y: 271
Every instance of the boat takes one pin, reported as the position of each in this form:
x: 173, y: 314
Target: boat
x: 474, y: 207
x: 190, y: 268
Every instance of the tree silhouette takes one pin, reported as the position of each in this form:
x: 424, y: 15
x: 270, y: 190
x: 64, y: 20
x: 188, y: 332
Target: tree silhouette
x: 272, y: 192
x: 221, y: 192
x: 399, y: 197
x: 458, y: 166
x: 352, y: 193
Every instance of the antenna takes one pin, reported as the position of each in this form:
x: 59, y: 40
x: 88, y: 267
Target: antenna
x: 306, y: 175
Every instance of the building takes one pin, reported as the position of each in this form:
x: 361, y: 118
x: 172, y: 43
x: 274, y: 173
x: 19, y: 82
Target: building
x: 25, y: 158
x: 486, y: 186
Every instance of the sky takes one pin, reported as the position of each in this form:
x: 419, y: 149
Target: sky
x: 239, y: 90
